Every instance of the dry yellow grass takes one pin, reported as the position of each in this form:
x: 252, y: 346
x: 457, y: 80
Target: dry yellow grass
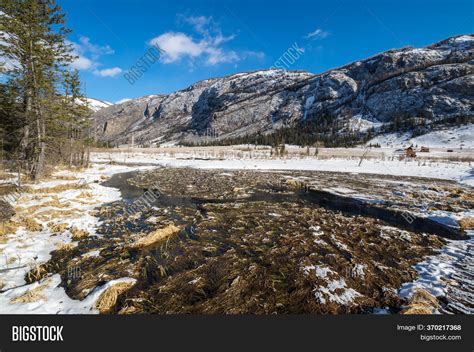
x: 8, y: 227
x: 108, y: 299
x: 294, y: 183
x: 466, y: 223
x: 6, y: 189
x: 59, y: 188
x: 54, y: 202
x: 65, y: 247
x: 65, y: 178
x: 418, y: 309
x: 128, y: 310
x: 78, y: 234
x: 36, y: 274
x: 24, y: 245
x: 422, y: 302
x: 53, y: 214
x: 33, y: 295
x: 156, y: 236
x: 11, y: 260
x: 84, y: 194
x: 58, y: 227
x: 31, y: 225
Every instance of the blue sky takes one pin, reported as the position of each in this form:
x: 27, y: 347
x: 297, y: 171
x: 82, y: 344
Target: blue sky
x: 204, y: 39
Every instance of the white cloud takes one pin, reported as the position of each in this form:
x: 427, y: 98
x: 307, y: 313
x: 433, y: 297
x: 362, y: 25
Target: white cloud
x: 88, y: 56
x: 199, y: 23
x: 217, y: 55
x: 122, y: 100
x: 82, y: 63
x: 317, y: 34
x: 87, y: 46
x: 207, y: 46
x: 108, y: 72
x: 177, y: 45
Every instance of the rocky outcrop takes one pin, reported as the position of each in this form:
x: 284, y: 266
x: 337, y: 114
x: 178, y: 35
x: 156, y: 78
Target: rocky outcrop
x: 435, y: 83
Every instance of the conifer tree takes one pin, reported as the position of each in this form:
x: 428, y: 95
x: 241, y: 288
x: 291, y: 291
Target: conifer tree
x: 34, y: 59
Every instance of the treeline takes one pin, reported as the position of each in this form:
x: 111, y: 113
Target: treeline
x: 420, y: 125
x: 330, y: 132
x: 322, y: 131
x: 296, y: 136
x: 44, y: 118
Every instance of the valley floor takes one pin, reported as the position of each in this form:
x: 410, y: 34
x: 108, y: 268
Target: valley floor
x: 235, y: 234
x: 438, y: 164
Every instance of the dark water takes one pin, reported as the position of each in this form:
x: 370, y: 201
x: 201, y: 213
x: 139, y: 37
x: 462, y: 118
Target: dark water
x: 129, y: 192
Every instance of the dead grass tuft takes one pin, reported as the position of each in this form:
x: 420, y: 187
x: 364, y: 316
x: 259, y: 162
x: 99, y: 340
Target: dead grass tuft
x: 84, y: 194
x: 78, y: 234
x: 36, y: 274
x: 8, y: 227
x: 418, y: 309
x: 466, y: 223
x: 11, y: 260
x: 108, y: 299
x: 422, y: 302
x: 31, y: 225
x: 129, y: 310
x: 295, y: 183
x: 33, y: 295
x: 65, y: 247
x: 156, y: 236
x: 57, y: 228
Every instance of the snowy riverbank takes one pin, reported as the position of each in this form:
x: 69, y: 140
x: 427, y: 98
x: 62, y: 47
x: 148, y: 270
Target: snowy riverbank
x: 25, y: 250
x: 461, y: 172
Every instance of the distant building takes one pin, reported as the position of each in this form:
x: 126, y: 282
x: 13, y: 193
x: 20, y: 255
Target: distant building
x: 410, y: 152
x: 405, y: 153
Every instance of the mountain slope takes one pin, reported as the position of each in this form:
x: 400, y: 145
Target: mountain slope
x: 453, y: 137
x: 96, y: 105
x: 397, y: 88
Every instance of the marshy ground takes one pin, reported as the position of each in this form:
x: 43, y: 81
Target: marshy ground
x: 219, y: 241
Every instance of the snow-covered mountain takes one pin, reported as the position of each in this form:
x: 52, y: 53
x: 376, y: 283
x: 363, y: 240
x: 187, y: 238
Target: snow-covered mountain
x: 96, y: 104
x: 402, y: 89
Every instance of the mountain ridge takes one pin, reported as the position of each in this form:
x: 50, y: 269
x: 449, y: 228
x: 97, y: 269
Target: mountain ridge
x: 429, y: 84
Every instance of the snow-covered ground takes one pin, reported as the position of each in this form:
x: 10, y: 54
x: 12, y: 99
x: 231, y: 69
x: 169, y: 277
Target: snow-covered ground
x: 24, y: 250
x: 358, y: 123
x: 455, y: 138
x: 440, y: 275
x: 457, y: 171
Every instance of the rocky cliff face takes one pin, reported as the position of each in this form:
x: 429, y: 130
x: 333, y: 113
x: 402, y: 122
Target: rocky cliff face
x: 435, y: 83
